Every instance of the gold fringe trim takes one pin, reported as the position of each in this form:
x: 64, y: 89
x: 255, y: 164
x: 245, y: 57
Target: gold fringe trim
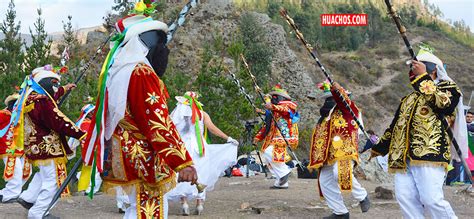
x: 138, y: 193
x: 182, y: 166
x: 161, y: 206
x: 420, y: 163
x: 354, y: 157
x: 10, y: 155
x: 394, y: 170
x: 56, y: 160
x: 163, y: 186
x: 315, y: 166
x: 425, y: 163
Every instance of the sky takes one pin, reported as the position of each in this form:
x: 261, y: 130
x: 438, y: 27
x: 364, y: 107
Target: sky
x: 457, y: 10
x: 85, y: 13
x: 88, y: 13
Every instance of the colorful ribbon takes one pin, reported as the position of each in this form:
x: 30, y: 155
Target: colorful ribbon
x: 196, y: 108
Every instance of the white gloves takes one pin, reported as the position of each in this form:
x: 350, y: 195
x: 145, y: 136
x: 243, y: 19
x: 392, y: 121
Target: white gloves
x: 232, y: 141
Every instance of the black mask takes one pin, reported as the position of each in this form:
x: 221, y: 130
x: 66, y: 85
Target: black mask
x: 10, y: 105
x: 50, y: 85
x: 277, y: 98
x: 158, y: 52
x: 430, y: 67
x: 329, y: 103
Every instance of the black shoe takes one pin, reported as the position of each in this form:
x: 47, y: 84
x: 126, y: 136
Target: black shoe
x: 24, y: 203
x: 279, y: 187
x: 337, y: 216
x: 121, y: 211
x: 8, y: 201
x: 50, y: 216
x: 365, y: 204
x: 284, y: 179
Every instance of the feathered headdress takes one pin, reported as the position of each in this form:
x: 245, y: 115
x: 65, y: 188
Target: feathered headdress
x: 325, y: 87
x: 278, y: 90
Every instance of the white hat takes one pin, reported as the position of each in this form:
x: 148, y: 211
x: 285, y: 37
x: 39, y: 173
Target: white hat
x: 44, y: 72
x: 184, y: 100
x: 12, y: 97
x: 137, y: 24
x: 426, y: 56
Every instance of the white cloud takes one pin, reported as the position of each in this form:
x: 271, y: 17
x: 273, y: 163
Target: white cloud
x: 85, y: 13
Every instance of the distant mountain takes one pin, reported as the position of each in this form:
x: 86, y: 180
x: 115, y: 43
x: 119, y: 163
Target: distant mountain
x: 57, y: 36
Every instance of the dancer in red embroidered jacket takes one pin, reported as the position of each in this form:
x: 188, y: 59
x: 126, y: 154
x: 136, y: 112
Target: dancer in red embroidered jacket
x: 274, y: 144
x: 132, y: 134
x: 334, y: 151
x: 16, y: 172
x: 45, y: 129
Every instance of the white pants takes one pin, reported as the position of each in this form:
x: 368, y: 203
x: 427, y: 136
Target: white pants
x: 328, y: 180
x: 122, y: 198
x: 420, y: 189
x: 41, y: 190
x: 13, y: 186
x: 278, y: 169
x: 131, y: 212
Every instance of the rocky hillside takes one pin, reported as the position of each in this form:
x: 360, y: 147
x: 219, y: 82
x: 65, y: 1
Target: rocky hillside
x: 376, y: 74
x: 376, y: 95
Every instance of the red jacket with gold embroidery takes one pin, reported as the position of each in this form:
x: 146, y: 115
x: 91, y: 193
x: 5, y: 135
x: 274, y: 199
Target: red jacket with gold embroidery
x: 281, y: 113
x: 7, y: 140
x: 289, y: 131
x: 335, y: 138
x: 46, y: 128
x: 146, y: 146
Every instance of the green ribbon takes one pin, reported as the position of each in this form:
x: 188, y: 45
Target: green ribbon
x: 470, y: 139
x: 196, y: 105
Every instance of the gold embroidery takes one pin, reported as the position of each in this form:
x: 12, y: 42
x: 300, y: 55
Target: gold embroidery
x: 442, y: 100
x: 339, y: 121
x: 159, y: 175
x: 142, y: 68
x: 399, y: 140
x: 279, y: 154
x: 345, y: 175
x: 337, y: 146
x: 29, y: 130
x: 118, y: 167
x: 150, y: 208
x: 66, y: 119
x: 137, y: 151
x: 152, y: 98
x: 127, y: 126
x: 180, y: 152
x: 9, y: 168
x: 426, y: 131
x: 157, y: 137
x: 427, y: 87
x: 139, y: 136
x: 318, y: 149
x: 51, y: 144
x: 61, y: 175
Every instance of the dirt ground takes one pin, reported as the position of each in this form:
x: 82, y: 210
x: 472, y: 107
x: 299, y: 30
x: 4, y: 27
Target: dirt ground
x: 241, y: 197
